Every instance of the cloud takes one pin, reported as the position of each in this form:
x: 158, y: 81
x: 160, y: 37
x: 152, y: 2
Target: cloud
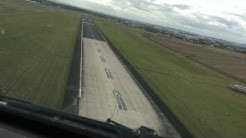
x: 182, y: 7
x: 224, y: 19
x: 242, y: 16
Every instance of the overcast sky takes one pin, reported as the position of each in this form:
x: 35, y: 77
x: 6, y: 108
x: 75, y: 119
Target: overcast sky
x: 224, y: 19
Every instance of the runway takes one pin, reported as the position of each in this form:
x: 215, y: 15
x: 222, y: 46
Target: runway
x: 108, y: 90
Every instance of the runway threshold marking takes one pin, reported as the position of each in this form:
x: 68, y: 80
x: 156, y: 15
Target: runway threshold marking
x: 119, y: 100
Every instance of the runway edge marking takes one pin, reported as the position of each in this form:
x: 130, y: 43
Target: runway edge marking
x: 81, y: 61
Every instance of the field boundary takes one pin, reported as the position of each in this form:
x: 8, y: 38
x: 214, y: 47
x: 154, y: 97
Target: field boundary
x: 203, y: 64
x: 148, y: 91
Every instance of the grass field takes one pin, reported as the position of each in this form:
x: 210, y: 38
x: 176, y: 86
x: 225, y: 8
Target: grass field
x: 18, y: 5
x: 229, y: 62
x: 36, y: 49
x: 197, y: 95
x: 3, y: 8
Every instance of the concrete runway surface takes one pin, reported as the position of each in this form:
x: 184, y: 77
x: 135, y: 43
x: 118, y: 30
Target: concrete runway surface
x: 110, y: 92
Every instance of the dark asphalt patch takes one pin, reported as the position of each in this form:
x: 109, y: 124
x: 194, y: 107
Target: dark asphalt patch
x: 91, y: 32
x: 87, y: 31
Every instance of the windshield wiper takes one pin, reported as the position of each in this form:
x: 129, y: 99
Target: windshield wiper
x: 142, y: 130
x: 69, y: 122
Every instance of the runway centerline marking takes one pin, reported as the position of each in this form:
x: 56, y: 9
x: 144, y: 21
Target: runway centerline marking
x: 119, y: 100
x: 109, y: 75
x: 103, y: 59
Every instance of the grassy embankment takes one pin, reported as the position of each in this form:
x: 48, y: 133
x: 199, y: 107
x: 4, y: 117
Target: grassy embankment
x: 197, y: 95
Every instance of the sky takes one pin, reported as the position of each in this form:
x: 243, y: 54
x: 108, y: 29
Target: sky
x: 225, y: 19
